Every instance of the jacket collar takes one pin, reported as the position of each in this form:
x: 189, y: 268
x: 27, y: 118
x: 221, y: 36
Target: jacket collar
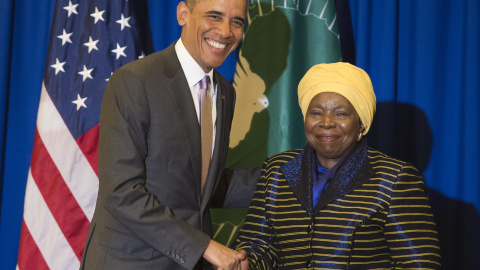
x: 355, y: 171
x: 182, y: 98
x: 214, y: 171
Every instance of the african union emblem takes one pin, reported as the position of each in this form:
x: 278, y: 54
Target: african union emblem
x: 282, y: 40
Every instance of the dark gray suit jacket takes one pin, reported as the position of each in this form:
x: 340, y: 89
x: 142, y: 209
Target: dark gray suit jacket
x: 149, y: 212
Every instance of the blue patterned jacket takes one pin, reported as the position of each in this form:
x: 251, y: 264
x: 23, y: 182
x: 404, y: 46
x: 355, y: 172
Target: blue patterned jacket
x: 374, y: 214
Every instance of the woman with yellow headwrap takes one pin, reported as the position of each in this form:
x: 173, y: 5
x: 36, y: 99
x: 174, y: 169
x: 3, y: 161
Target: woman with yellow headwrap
x: 337, y: 203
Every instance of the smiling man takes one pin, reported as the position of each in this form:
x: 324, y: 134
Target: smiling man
x: 164, y: 135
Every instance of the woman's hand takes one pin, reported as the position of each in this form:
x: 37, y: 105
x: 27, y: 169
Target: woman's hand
x: 224, y: 258
x: 243, y: 263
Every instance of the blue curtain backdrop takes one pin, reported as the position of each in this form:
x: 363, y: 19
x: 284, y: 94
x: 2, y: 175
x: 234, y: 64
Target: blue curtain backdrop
x: 424, y: 61
x: 423, y: 58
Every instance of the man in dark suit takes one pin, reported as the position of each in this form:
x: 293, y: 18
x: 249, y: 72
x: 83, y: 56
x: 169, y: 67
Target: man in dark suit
x: 152, y: 209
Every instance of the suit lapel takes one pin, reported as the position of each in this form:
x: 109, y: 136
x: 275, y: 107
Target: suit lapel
x: 353, y: 173
x: 182, y: 98
x: 218, y: 145
x: 300, y: 181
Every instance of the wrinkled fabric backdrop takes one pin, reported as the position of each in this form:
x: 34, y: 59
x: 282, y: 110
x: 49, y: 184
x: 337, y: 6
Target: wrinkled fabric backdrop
x: 423, y: 58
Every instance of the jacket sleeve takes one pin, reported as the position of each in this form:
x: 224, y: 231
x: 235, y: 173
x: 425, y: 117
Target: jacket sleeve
x: 257, y: 235
x: 410, y: 229
x: 125, y: 120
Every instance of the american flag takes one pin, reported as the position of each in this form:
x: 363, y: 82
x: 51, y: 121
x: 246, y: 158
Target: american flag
x: 89, y: 40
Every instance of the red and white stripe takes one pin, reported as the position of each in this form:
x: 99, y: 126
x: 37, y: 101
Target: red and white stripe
x: 61, y: 193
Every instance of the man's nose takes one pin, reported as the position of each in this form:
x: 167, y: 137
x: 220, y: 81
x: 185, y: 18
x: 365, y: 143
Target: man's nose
x: 224, y: 29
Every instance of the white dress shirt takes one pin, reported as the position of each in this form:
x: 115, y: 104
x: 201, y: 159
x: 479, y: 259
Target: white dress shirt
x: 194, y: 73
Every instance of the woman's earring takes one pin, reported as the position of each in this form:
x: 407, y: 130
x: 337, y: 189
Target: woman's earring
x: 359, y: 137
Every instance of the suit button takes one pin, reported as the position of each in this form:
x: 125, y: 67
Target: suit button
x: 310, y: 228
x: 168, y: 251
x: 309, y: 264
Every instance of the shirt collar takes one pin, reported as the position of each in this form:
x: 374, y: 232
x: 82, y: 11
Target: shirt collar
x: 193, y: 72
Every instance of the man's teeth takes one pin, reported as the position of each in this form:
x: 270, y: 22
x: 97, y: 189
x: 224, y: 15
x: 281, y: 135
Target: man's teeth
x: 216, y: 44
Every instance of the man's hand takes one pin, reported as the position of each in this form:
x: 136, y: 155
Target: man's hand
x: 224, y: 258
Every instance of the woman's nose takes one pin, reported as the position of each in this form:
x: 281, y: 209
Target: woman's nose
x: 326, y: 121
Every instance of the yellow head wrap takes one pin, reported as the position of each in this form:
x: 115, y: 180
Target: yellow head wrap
x: 342, y: 78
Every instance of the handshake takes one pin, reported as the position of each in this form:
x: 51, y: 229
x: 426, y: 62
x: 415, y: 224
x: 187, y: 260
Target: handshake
x: 224, y: 258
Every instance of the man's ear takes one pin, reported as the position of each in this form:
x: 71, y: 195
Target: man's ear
x: 182, y: 13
